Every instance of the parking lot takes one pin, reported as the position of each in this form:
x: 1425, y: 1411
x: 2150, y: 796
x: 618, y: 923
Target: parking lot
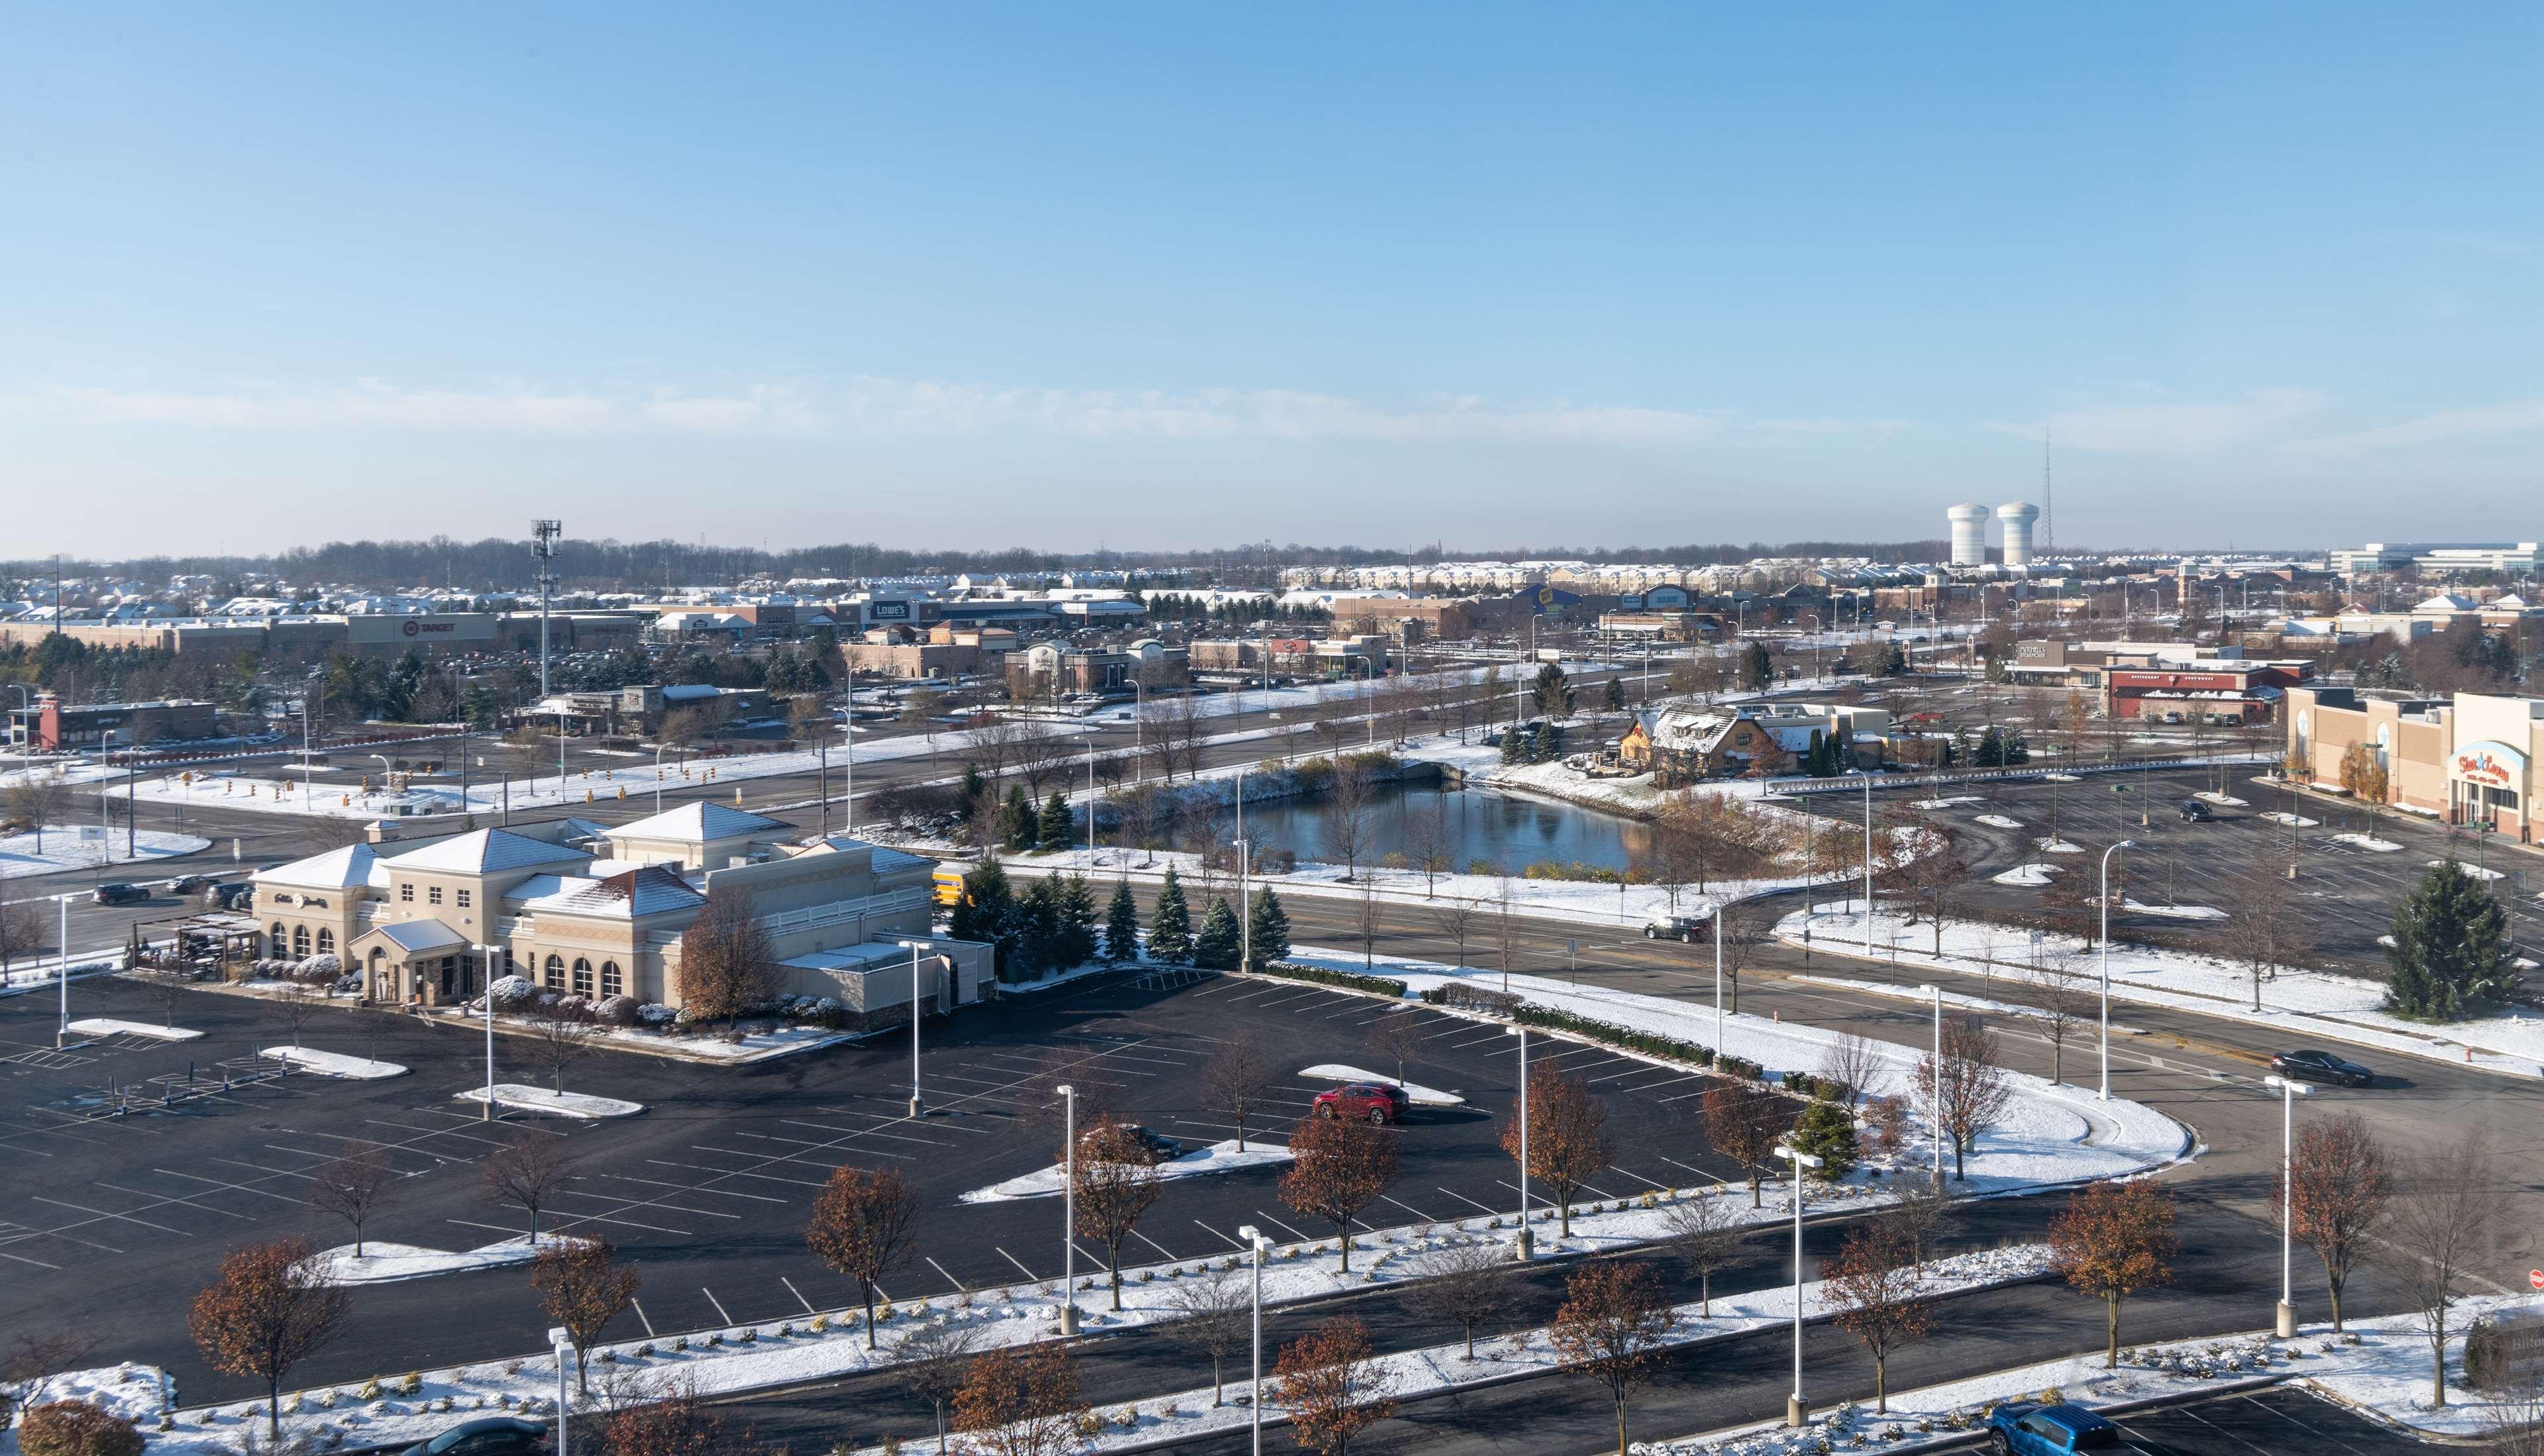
x: 708, y: 1190
x: 2276, y: 1419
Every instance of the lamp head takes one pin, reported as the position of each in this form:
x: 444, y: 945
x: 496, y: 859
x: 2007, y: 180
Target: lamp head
x: 1066, y: 1090
x: 2284, y: 1085
x: 918, y: 944
x: 1800, y: 1157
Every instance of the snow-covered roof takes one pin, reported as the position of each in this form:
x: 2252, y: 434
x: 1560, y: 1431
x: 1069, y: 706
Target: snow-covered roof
x: 698, y: 823
x: 652, y: 890
x: 866, y: 956
x: 416, y: 935
x: 336, y: 869
x: 487, y: 852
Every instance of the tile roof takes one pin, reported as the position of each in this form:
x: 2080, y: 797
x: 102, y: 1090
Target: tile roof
x: 699, y: 821
x: 487, y: 850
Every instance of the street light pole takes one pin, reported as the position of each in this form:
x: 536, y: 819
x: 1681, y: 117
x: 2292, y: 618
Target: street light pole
x: 1718, y: 977
x: 62, y: 972
x: 489, y: 953
x: 1797, y: 1413
x: 1937, y: 993
x: 1868, y: 863
x: 2104, y: 1095
x: 918, y: 1107
x: 1527, y: 1244
x: 2290, y: 1092
x: 1255, y: 1240
x: 1069, y: 1214
x: 563, y: 1344
x: 1244, y: 909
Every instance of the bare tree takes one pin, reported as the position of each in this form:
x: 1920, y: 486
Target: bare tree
x: 935, y: 1361
x: 353, y: 1188
x: 583, y: 1289
x: 1370, y: 915
x: 1705, y: 1232
x: 293, y: 1008
x: 1743, y: 1121
x: 1611, y: 1328
x: 1851, y: 1062
x: 1213, y: 1317
x: 2266, y: 928
x: 2062, y: 1004
x: 2448, y: 1214
x: 1332, y: 1385
x: 1115, y: 1185
x: 725, y: 957
x: 21, y: 932
x: 1968, y: 1092
x: 262, y: 1314
x: 528, y: 1171
x: 166, y: 989
x: 1456, y: 920
x: 1464, y: 1284
x: 1879, y: 1299
x: 35, y: 800
x: 1350, y: 805
x: 1235, y: 1079
x: 1337, y: 1168
x: 1922, y: 1210
x: 558, y: 1038
x: 1928, y: 873
x: 2343, y: 1186
x: 1038, y: 752
x: 861, y: 1227
x: 1505, y: 926
x: 1039, y: 1104
x: 1396, y: 1036
x: 34, y: 1359
x: 1426, y: 849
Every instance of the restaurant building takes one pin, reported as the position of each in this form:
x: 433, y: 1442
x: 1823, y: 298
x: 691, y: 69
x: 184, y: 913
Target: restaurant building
x: 2469, y: 760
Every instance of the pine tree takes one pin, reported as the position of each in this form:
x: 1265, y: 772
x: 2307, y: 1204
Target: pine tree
x: 1219, y: 942
x: 1757, y: 669
x: 1075, y: 943
x: 1615, y: 697
x: 1553, y: 692
x: 1037, y: 932
x: 972, y: 783
x: 1171, y: 938
x: 1270, y: 932
x: 1548, y: 745
x: 2451, y: 954
x: 1515, y: 744
x: 1056, y: 822
x: 987, y: 911
x: 1122, y: 925
x: 1021, y: 823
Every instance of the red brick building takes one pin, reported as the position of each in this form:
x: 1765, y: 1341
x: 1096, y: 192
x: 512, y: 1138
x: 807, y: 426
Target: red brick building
x: 2224, y: 690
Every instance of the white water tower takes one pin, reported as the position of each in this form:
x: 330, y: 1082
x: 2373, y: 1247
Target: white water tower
x: 2015, y: 517
x: 1969, y: 535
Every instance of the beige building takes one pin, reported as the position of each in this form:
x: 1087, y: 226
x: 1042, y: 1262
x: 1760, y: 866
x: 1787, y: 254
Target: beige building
x: 2468, y: 760
x: 595, y: 913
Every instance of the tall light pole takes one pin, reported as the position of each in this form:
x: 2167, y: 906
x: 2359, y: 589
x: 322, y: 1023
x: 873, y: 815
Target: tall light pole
x: 491, y: 954
x: 1244, y: 909
x: 2104, y: 1095
x: 62, y: 973
x: 1718, y: 977
x: 849, y: 777
x: 1868, y: 863
x: 1937, y: 992
x: 1262, y: 1246
x: 1069, y: 1213
x: 2290, y: 1092
x: 562, y: 1343
x: 1527, y: 1245
x: 918, y: 1107
x: 658, y: 776
x: 1796, y: 1414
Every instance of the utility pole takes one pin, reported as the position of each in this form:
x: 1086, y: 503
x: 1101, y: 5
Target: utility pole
x: 543, y: 548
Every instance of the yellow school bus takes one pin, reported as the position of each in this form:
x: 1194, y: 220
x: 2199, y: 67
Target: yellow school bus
x: 949, y: 886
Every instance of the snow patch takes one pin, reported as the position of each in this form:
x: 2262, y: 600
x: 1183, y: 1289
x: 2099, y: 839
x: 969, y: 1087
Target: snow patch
x: 2027, y: 874
x: 86, y: 847
x: 109, y: 1027
x: 334, y: 1063
x: 1999, y: 821
x: 1222, y: 1156
x: 1423, y: 1097
x: 389, y: 1264
x: 2368, y: 842
x: 545, y: 1100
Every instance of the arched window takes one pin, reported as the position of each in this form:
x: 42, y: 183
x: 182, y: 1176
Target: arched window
x: 326, y: 941
x: 299, y: 942
x: 611, y: 983
x: 582, y: 977
x: 556, y: 973
x: 282, y: 945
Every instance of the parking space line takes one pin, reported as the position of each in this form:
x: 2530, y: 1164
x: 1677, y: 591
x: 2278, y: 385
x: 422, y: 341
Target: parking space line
x: 37, y: 1263
x: 940, y: 1268
x: 648, y: 1203
x: 799, y: 1294
x: 602, y: 1218
x: 234, y: 1188
x: 720, y: 1173
x: 1171, y: 1254
x: 1718, y: 1180
x: 1019, y: 1263
x: 188, y: 1201
x: 1470, y: 1202
x: 1410, y: 1208
x: 1276, y: 1223
x: 1639, y: 1177
x: 639, y: 1318
x: 274, y: 1172
x: 102, y: 1213
x: 981, y: 1132
x: 1352, y: 1010
x: 801, y: 1143
x: 629, y: 1177
x: 719, y: 1304
x: 2221, y: 1430
x: 862, y: 1132
x: 1216, y: 1234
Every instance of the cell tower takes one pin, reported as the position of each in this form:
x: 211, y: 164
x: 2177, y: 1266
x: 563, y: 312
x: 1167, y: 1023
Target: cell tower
x: 543, y: 545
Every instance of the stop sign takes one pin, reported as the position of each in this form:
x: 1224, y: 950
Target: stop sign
x: 2535, y: 1277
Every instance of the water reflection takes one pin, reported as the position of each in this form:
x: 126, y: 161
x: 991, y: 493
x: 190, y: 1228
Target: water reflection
x: 1469, y: 824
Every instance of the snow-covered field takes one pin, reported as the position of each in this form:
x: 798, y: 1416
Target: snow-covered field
x: 581, y: 1105
x: 1222, y: 1156
x: 2310, y: 1006
x: 78, y: 847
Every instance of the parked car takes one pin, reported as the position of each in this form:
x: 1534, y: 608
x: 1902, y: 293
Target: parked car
x: 1156, y: 1146
x: 2322, y: 1066
x: 116, y: 892
x: 188, y: 884
x: 1667, y: 926
x: 1367, y: 1102
x: 2023, y: 1428
x: 2196, y: 812
x: 235, y: 895
x: 496, y: 1435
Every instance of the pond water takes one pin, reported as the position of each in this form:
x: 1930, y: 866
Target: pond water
x: 1475, y: 824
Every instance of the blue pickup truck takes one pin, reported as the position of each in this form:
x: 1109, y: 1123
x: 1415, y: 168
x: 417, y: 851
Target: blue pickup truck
x: 2026, y: 1429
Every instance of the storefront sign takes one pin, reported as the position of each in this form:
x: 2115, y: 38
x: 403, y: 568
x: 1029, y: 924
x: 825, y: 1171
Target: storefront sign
x: 2492, y: 765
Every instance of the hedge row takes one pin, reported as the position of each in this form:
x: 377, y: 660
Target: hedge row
x: 1346, y: 980
x: 1651, y: 1043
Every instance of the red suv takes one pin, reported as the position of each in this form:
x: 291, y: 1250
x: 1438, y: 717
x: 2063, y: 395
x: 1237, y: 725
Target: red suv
x: 1374, y: 1101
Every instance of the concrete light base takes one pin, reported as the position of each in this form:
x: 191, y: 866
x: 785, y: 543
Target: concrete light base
x: 1525, y: 1246
x: 1068, y: 1318
x: 918, y: 1109
x: 2287, y: 1320
x: 1795, y: 1413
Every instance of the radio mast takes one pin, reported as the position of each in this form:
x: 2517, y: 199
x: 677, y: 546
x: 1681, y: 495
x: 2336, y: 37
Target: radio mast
x: 543, y: 546
x: 2048, y: 501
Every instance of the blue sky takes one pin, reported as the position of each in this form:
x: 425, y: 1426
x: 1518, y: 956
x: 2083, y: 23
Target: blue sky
x: 1181, y: 276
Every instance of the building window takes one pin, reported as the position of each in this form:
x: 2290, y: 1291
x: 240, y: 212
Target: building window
x: 282, y: 948
x: 326, y: 941
x: 611, y: 983
x: 299, y: 942
x: 433, y: 895
x: 463, y: 899
x: 407, y: 893
x: 556, y: 973
x: 582, y: 977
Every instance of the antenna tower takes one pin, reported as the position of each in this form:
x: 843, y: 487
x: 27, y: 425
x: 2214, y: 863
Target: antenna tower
x: 543, y: 546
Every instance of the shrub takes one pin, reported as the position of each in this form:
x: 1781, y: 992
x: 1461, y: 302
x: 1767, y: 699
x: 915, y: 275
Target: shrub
x: 1465, y: 998
x: 76, y: 1429
x: 512, y: 993
x: 1347, y: 980
x: 616, y: 1011
x: 1826, y: 1131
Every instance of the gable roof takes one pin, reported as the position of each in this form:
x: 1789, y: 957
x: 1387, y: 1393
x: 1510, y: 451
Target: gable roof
x: 698, y: 823
x: 413, y: 936
x: 336, y: 869
x: 487, y: 850
x: 652, y: 890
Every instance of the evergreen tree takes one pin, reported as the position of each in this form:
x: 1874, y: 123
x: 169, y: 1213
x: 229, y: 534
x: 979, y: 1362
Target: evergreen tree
x: 1990, y: 753
x: 1073, y: 945
x: 1021, y: 826
x: 1270, y: 931
x: 1037, y: 932
x: 2015, y: 750
x: 1757, y: 669
x: 987, y: 911
x: 2451, y: 952
x: 1122, y: 925
x: 972, y: 783
x: 1056, y: 825
x: 1549, y: 745
x: 1553, y: 692
x: 1615, y: 696
x: 1221, y: 940
x: 1515, y: 744
x: 1171, y: 938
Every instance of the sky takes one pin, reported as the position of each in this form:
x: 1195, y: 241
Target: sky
x: 1173, y: 276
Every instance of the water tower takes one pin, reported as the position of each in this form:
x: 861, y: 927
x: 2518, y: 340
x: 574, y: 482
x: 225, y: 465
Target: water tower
x: 2015, y: 517
x: 1969, y: 535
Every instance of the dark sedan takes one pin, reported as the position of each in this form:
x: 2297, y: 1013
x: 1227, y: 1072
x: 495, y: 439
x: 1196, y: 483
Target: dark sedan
x: 496, y: 1435
x: 2321, y: 1066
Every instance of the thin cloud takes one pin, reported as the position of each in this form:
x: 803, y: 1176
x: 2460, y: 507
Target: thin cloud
x: 2511, y: 418
x: 2171, y: 429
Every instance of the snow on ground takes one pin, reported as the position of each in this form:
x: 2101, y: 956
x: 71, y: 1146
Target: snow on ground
x: 582, y: 1106
x: 2368, y: 842
x: 334, y: 1063
x: 1950, y: 998
x: 1221, y: 1157
x: 2064, y: 777
x: 2034, y: 874
x: 2308, y: 1005
x: 389, y: 1264
x: 2284, y: 818
x: 2060, y: 846
x: 1999, y: 821
x: 88, y: 846
x: 1954, y: 800
x: 2478, y: 872
x: 138, y: 1392
x: 2173, y: 911
x: 109, y: 1027
x: 1422, y: 1096
x: 2214, y: 797
x: 702, y: 1045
